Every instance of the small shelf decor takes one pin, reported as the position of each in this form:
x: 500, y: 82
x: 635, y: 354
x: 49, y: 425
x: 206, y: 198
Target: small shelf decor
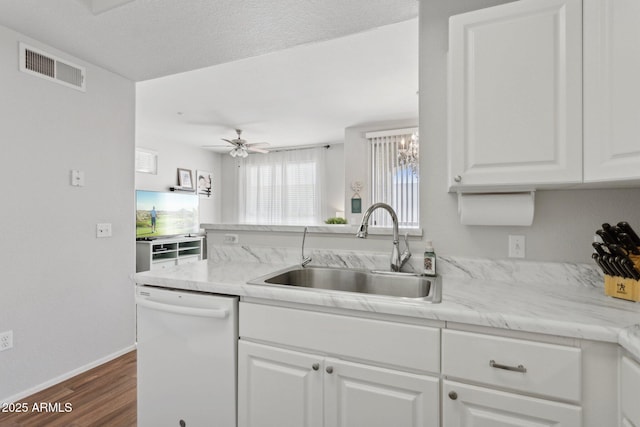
x: 185, y: 179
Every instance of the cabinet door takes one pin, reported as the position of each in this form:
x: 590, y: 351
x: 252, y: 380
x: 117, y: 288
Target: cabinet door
x: 278, y: 388
x: 466, y: 405
x: 629, y: 392
x: 611, y: 90
x: 515, y: 95
x: 360, y: 395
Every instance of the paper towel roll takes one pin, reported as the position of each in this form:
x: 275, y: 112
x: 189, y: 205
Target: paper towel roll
x: 496, y: 208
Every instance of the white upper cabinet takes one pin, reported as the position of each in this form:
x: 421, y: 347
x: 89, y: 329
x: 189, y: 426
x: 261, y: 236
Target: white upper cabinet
x: 515, y: 95
x: 611, y: 90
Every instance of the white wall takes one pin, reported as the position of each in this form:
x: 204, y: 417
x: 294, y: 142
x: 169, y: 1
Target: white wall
x: 173, y: 155
x: 65, y: 294
x: 334, y: 184
x: 564, y: 221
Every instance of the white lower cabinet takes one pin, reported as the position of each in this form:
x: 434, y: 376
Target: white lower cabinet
x: 466, y: 406
x: 361, y: 395
x: 511, y: 369
x: 629, y: 392
x: 278, y: 388
x: 284, y: 388
x: 299, y: 367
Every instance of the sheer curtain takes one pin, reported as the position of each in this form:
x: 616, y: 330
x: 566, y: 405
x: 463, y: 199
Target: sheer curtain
x: 284, y: 187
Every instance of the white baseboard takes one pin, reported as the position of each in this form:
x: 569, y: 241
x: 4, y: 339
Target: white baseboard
x: 66, y: 376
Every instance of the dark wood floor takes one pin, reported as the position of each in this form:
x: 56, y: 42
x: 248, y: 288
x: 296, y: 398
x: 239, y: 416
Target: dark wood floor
x: 102, y: 396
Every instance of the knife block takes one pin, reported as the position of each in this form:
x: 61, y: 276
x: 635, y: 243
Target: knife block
x: 621, y: 287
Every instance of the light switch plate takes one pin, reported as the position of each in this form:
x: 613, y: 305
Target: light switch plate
x: 6, y: 340
x: 77, y: 178
x: 516, y: 246
x: 103, y: 229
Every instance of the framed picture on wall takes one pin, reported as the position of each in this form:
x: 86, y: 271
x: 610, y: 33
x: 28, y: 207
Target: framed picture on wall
x: 146, y: 161
x: 204, y: 181
x: 185, y: 179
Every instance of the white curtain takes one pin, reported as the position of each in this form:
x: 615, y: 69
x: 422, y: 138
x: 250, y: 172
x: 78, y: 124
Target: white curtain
x: 283, y: 187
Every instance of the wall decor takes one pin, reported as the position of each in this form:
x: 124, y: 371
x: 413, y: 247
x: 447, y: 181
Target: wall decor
x: 204, y: 182
x: 146, y: 161
x: 356, y: 200
x: 185, y: 178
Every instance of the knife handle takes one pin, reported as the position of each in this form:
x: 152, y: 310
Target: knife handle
x: 611, y: 231
x: 622, y: 266
x: 614, y: 267
x: 625, y: 239
x: 624, y: 226
x: 626, y: 262
x: 606, y: 237
x: 603, y: 266
x: 599, y: 247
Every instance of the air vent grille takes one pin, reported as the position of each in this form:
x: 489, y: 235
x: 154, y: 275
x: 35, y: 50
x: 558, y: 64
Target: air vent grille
x: 47, y: 66
x: 39, y: 63
x: 68, y: 73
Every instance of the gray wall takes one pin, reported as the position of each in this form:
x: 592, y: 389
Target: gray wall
x: 564, y: 220
x: 65, y: 294
x: 173, y: 155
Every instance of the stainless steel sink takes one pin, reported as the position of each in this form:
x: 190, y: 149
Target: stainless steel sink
x: 404, y: 285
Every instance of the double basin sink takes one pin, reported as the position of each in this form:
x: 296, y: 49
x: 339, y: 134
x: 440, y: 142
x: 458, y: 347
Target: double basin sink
x: 401, y: 285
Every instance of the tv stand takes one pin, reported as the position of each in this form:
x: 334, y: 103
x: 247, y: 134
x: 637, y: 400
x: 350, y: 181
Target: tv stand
x: 162, y: 253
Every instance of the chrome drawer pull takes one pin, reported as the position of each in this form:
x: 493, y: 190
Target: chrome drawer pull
x: 518, y: 368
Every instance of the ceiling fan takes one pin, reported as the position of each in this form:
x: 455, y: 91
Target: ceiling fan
x: 242, y: 148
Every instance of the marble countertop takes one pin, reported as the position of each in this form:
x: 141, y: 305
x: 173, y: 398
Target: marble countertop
x: 545, y: 307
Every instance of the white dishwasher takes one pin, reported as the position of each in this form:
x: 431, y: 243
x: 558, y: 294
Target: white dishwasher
x: 187, y: 348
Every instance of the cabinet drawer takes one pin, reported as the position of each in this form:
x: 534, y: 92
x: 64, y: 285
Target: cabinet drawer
x: 630, y: 390
x: 546, y: 369
x: 161, y: 265
x: 398, y: 344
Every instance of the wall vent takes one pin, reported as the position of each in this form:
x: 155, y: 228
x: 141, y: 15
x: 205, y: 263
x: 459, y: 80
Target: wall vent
x: 42, y: 64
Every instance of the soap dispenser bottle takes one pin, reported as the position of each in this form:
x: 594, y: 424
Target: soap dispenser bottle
x: 429, y: 259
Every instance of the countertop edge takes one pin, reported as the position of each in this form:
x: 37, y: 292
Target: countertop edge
x: 628, y: 337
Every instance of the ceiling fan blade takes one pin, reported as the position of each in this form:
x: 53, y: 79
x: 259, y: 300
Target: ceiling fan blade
x: 257, y: 150
x: 228, y: 140
x: 258, y: 144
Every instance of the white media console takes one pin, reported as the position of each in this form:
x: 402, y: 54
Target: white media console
x: 163, y: 253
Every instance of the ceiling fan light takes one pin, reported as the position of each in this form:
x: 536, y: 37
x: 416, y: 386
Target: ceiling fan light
x: 233, y: 153
x: 244, y: 153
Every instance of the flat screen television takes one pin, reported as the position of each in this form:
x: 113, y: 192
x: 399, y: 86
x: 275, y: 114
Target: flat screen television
x: 163, y: 214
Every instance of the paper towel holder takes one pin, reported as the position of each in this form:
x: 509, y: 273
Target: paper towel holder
x: 512, y: 208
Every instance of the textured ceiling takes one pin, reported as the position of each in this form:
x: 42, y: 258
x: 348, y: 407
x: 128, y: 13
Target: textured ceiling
x: 289, y: 72
x: 145, y: 39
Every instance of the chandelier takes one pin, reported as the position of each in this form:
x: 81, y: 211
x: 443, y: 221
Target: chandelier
x: 408, y: 153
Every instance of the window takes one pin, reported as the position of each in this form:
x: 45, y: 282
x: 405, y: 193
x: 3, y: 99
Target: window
x: 282, y: 187
x: 392, y: 180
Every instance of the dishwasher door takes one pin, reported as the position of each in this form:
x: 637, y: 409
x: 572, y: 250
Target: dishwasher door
x: 187, y: 353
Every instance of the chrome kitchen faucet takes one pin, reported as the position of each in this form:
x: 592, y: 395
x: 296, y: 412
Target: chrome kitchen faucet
x: 397, y: 260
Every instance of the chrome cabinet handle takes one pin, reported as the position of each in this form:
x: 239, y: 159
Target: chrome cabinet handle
x: 457, y: 178
x: 315, y: 366
x: 329, y: 369
x: 518, y: 368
